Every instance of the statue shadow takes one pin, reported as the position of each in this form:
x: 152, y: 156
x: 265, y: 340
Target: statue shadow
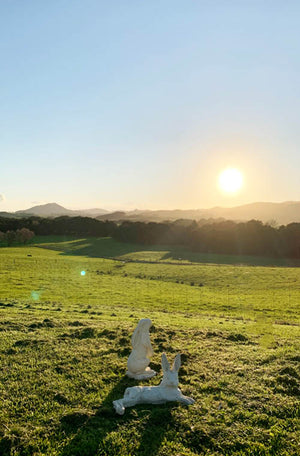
x: 159, y: 419
x: 87, y: 434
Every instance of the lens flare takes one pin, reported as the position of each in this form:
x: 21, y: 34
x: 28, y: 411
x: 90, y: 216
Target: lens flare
x: 35, y: 295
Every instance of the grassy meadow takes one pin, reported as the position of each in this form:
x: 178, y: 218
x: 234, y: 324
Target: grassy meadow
x: 68, y: 308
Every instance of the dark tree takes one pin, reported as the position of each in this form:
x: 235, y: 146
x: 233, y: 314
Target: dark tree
x: 10, y: 237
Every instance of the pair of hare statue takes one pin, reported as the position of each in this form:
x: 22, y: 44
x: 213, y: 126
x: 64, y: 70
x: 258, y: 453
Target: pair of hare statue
x: 138, y: 368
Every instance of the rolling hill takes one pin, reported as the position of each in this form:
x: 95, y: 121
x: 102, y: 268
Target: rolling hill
x: 55, y: 210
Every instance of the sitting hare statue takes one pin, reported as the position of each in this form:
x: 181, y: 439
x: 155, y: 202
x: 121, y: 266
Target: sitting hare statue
x: 139, y: 358
x: 166, y: 391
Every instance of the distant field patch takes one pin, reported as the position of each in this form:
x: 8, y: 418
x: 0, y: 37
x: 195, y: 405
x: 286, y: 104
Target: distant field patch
x: 109, y: 248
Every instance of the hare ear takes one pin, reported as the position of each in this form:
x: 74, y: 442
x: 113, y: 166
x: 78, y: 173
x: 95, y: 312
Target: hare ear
x: 165, y: 363
x: 135, y: 338
x: 177, y: 363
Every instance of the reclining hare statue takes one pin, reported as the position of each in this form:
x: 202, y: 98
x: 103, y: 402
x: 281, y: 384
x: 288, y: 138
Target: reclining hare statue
x: 166, y: 391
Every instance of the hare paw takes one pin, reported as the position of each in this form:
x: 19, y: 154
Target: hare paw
x: 187, y: 400
x: 119, y: 407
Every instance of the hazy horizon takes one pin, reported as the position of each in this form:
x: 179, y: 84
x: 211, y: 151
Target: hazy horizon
x: 119, y: 208
x: 142, y: 105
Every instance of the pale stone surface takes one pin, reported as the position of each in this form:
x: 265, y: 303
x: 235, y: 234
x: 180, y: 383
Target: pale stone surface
x: 166, y: 391
x: 139, y: 358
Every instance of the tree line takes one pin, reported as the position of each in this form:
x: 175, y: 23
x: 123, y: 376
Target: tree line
x: 64, y: 225
x: 20, y: 236
x: 228, y: 237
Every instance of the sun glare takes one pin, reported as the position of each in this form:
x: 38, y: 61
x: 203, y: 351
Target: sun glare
x: 230, y: 180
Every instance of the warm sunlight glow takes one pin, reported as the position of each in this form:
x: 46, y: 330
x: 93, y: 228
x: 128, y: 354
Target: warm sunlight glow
x: 230, y: 180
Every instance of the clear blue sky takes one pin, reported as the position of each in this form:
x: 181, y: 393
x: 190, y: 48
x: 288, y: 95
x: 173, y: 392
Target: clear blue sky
x: 140, y: 104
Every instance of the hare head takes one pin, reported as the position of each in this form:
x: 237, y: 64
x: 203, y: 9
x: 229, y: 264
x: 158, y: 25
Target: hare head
x: 170, y: 377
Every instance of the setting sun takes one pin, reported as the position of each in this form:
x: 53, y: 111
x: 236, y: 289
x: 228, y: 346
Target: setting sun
x: 230, y: 180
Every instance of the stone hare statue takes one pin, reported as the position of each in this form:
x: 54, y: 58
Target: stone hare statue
x: 139, y: 358
x: 166, y: 391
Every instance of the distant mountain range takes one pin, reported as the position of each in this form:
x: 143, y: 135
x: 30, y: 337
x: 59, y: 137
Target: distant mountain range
x: 53, y: 210
x: 281, y: 213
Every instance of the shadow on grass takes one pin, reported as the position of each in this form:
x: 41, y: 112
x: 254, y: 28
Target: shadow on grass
x: 101, y: 433
x: 90, y: 247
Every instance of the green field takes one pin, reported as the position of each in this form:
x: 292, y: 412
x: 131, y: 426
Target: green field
x: 65, y: 339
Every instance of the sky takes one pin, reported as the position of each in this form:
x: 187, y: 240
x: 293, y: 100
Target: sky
x: 141, y: 104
